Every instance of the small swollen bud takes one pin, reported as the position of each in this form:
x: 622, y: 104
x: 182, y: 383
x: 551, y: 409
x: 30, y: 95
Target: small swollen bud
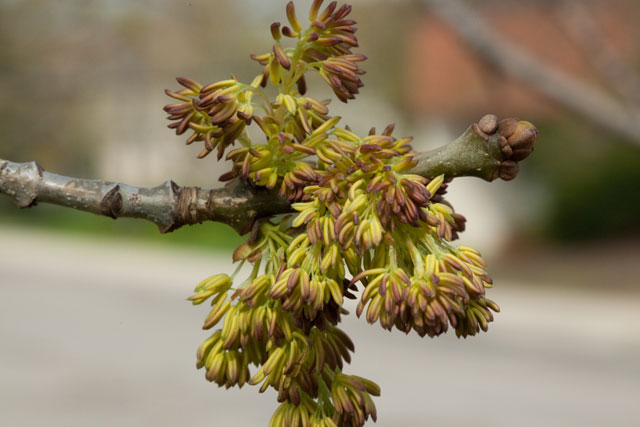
x: 517, y: 139
x: 525, y: 135
x: 315, y: 7
x: 508, y: 170
x: 504, y: 146
x: 190, y: 84
x: 302, y: 85
x: 291, y: 16
x: 328, y: 11
x: 389, y: 129
x: 488, y: 124
x: 288, y: 32
x: 507, y: 127
x: 275, y: 31
x: 318, y: 24
x: 281, y: 56
x: 274, y: 72
x: 261, y: 59
x: 204, y: 153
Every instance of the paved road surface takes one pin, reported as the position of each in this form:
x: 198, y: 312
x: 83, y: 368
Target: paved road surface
x: 99, y: 334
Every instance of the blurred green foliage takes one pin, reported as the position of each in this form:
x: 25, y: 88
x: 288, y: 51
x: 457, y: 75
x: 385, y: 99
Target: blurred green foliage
x: 592, y: 180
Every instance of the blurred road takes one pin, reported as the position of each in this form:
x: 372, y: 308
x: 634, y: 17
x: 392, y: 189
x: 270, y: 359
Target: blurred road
x: 97, y: 333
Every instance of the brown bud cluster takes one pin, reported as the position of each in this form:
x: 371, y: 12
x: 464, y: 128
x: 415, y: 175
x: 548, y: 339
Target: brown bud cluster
x: 334, y: 32
x: 442, y: 291
x: 308, y: 115
x: 342, y: 74
x: 348, y: 395
x: 351, y: 397
x: 330, y: 42
x: 217, y: 113
x: 365, y: 174
x: 517, y: 141
x: 291, y: 359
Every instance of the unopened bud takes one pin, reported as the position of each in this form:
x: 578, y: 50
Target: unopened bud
x: 488, y: 124
x: 507, y: 127
x: 504, y: 146
x: 275, y: 31
x: 508, y: 170
x: 517, y: 138
x: 313, y: 13
x: 524, y: 136
x: 288, y: 32
x: 291, y: 16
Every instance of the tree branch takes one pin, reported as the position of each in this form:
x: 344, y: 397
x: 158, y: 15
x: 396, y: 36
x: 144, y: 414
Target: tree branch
x: 579, y: 96
x: 462, y: 158
x: 168, y: 205
x: 488, y: 149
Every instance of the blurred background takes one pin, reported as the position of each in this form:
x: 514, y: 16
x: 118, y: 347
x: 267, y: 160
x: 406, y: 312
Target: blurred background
x: 93, y: 326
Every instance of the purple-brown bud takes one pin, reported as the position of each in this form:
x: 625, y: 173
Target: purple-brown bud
x: 291, y: 16
x: 328, y: 11
x: 275, y: 31
x: 517, y: 138
x: 488, y: 124
x: 525, y: 135
x: 508, y: 170
x: 507, y: 127
x: 281, y: 56
x: 315, y: 7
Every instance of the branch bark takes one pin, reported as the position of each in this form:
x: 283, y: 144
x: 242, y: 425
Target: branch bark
x: 579, y: 96
x: 168, y: 205
x: 467, y: 155
x: 487, y: 150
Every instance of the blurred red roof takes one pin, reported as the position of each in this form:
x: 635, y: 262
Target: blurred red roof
x: 447, y: 79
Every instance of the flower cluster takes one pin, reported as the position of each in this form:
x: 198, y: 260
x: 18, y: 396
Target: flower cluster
x: 427, y: 293
x: 324, y: 46
x: 362, y: 217
x: 348, y: 399
x: 217, y: 113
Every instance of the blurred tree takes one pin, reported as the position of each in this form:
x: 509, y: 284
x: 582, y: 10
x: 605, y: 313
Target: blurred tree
x: 579, y: 171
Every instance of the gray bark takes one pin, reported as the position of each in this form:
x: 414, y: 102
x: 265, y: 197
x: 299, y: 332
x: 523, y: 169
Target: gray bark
x: 168, y: 205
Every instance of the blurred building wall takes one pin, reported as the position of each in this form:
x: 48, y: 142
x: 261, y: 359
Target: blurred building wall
x: 446, y: 79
